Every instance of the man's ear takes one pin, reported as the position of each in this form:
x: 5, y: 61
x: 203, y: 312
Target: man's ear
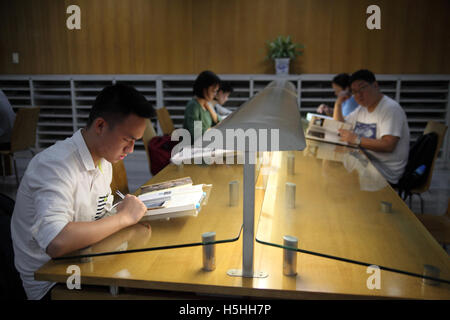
x: 375, y: 85
x: 100, y: 126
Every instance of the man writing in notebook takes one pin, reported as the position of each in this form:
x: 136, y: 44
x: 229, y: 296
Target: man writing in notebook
x: 380, y: 126
x: 65, y: 195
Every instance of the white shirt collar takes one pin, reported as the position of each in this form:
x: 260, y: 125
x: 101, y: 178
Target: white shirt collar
x: 83, y: 150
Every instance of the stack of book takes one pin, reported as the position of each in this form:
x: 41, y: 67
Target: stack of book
x: 174, y: 198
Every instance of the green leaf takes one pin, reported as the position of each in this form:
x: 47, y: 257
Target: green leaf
x: 283, y: 47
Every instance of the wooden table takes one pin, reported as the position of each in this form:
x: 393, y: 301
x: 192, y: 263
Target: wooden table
x: 339, y: 212
x: 180, y: 269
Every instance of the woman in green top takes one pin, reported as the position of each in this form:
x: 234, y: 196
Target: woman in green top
x: 200, y: 108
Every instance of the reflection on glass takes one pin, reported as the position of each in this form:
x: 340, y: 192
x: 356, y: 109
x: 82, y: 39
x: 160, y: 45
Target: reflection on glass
x: 129, y: 238
x: 181, y: 229
x: 369, y: 177
x: 352, y: 159
x: 338, y: 213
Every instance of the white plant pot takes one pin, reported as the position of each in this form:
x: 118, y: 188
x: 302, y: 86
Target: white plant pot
x: 282, y: 66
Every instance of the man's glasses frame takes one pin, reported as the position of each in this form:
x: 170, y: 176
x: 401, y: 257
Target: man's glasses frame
x: 360, y: 90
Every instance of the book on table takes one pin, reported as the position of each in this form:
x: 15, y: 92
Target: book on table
x: 166, y: 184
x: 323, y: 128
x: 191, y: 153
x: 176, y: 200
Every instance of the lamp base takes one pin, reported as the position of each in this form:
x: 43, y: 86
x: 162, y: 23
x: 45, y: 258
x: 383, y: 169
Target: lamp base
x: 239, y: 273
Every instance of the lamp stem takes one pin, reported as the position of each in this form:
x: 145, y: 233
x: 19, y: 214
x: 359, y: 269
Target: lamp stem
x: 248, y: 215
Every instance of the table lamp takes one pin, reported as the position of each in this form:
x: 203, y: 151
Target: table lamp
x: 273, y: 113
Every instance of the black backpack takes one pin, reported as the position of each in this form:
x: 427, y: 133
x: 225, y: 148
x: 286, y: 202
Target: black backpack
x: 421, y: 153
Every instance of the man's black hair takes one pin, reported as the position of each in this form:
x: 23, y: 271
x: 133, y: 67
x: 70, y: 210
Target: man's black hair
x: 114, y: 103
x: 342, y: 80
x: 205, y: 80
x: 364, y: 75
x: 226, y: 87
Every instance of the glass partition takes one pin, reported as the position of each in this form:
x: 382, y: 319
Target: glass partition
x: 338, y: 206
x: 216, y: 214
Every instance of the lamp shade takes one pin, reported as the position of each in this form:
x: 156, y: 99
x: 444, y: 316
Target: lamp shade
x: 272, y: 114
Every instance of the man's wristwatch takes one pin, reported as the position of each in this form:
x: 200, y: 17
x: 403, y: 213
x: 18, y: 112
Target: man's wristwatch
x: 358, y: 140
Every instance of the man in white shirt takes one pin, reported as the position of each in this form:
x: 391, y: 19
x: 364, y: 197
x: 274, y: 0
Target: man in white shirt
x: 64, y: 196
x: 380, y: 126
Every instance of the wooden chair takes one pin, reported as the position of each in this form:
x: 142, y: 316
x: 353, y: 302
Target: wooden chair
x: 165, y: 121
x: 119, y: 179
x: 440, y: 129
x: 149, y: 133
x: 438, y: 226
x: 23, y: 135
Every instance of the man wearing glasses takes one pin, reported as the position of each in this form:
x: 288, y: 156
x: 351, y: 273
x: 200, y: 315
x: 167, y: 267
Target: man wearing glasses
x: 380, y: 126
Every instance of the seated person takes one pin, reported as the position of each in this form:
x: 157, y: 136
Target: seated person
x: 222, y: 95
x: 341, y: 87
x: 63, y: 201
x: 380, y: 126
x: 7, y: 117
x: 199, y: 108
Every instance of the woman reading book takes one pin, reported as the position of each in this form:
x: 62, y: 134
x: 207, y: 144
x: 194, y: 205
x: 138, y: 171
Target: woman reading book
x: 199, y: 108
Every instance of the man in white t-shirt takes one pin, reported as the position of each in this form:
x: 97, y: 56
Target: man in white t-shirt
x: 65, y: 195
x: 380, y: 126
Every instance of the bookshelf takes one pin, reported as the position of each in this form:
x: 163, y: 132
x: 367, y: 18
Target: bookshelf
x: 65, y: 100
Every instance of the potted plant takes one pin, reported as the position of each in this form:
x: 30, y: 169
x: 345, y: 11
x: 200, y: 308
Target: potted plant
x: 282, y: 49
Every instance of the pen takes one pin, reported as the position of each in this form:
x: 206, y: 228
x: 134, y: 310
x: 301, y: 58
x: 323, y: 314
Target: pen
x: 120, y: 194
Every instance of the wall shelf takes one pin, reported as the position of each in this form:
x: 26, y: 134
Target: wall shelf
x: 65, y: 100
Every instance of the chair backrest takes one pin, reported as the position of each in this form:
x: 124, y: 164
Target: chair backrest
x: 165, y: 121
x: 440, y: 129
x: 23, y: 135
x: 149, y: 133
x: 119, y: 179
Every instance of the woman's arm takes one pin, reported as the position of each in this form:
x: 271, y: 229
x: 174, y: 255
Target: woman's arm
x: 337, y: 112
x: 215, y: 118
